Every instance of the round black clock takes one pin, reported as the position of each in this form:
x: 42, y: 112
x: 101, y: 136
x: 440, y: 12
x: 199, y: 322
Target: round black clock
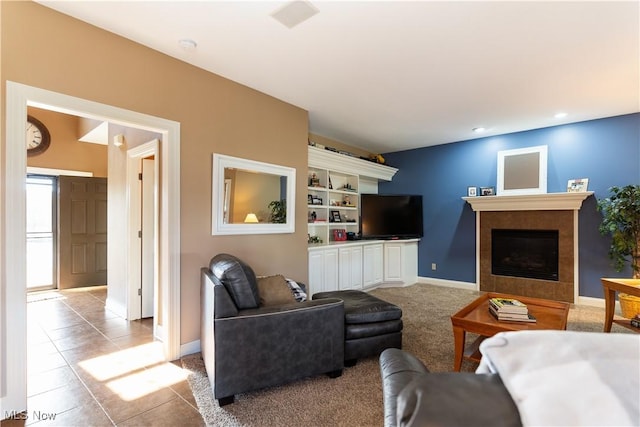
x: 38, y: 137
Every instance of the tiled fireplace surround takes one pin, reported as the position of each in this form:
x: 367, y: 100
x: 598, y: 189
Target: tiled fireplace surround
x: 555, y: 211
x: 561, y: 290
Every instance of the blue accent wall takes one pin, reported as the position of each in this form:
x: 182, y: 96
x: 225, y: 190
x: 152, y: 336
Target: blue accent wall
x: 607, y: 151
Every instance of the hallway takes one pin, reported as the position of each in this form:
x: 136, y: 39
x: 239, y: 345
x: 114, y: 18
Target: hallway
x: 87, y: 366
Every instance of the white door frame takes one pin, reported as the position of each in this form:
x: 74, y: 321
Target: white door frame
x: 13, y: 246
x: 134, y: 207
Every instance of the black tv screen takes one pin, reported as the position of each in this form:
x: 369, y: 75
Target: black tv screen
x: 390, y: 216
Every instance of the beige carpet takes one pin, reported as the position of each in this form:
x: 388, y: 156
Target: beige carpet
x: 355, y: 398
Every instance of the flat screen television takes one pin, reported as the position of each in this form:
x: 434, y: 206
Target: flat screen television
x: 390, y: 216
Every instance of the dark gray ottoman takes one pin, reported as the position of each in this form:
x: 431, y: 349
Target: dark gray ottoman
x: 370, y: 324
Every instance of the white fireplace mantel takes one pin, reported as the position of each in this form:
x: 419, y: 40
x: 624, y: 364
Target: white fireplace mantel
x: 529, y: 202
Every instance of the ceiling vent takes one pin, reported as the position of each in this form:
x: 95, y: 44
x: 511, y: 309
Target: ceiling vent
x: 294, y: 13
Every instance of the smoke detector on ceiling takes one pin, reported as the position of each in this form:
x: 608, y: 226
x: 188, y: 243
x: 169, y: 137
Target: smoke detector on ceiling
x: 294, y: 13
x: 188, y: 44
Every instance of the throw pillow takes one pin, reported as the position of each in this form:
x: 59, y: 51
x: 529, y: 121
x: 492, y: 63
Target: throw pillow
x: 298, y: 293
x: 274, y: 290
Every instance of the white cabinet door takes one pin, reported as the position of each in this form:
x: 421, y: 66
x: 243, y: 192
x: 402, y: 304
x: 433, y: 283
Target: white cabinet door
x: 350, y: 267
x: 316, y: 272
x: 323, y: 270
x: 393, y: 268
x: 372, y: 270
x: 331, y: 278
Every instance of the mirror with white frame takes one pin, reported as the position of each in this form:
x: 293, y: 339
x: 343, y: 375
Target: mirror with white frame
x: 522, y: 171
x: 251, y: 197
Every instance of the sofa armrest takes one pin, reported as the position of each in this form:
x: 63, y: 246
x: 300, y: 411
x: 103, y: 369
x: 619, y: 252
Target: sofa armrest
x: 457, y: 399
x: 398, y: 368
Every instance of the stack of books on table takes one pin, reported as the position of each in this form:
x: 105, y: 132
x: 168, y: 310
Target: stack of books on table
x: 510, y: 310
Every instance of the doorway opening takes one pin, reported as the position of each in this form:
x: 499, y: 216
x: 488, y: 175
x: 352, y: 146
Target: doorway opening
x: 41, y: 193
x: 13, y: 306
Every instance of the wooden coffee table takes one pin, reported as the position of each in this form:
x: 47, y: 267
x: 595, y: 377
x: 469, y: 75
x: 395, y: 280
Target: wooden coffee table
x: 475, y: 318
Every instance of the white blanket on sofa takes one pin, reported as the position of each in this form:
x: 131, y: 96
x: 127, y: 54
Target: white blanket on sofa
x: 566, y: 378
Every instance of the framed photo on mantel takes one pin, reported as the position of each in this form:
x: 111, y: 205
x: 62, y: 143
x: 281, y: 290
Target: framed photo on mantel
x: 577, y: 185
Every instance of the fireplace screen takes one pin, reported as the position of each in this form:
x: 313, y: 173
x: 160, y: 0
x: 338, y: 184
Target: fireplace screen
x: 525, y: 253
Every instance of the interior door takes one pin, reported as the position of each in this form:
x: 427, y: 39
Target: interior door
x: 82, y: 227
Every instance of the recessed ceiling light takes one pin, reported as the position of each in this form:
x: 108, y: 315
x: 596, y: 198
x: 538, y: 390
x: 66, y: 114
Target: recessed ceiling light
x: 188, y: 44
x: 560, y: 115
x: 479, y: 129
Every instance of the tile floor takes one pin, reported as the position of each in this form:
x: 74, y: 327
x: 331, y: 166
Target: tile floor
x: 89, y: 367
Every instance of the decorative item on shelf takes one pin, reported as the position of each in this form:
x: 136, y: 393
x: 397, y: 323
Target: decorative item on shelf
x: 487, y: 191
x: 330, y: 184
x: 339, y: 235
x: 351, y: 235
x: 314, y: 181
x: 309, y: 199
x: 335, y: 217
x: 621, y: 219
x: 472, y: 191
x: 348, y: 187
x: 312, y: 216
x: 377, y: 158
x: 313, y: 239
x: 251, y: 218
x: 315, y: 200
x: 577, y: 185
x: 346, y: 202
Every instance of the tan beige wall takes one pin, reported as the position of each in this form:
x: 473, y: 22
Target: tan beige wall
x: 65, y: 151
x: 216, y: 115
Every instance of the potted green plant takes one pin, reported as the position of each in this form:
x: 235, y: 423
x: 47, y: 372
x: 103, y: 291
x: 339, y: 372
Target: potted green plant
x: 278, y: 212
x: 621, y: 219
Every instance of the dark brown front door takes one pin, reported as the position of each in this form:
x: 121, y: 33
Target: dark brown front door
x: 82, y: 231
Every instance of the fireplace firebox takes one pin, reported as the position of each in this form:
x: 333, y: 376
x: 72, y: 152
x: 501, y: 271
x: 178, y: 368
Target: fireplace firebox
x: 525, y: 253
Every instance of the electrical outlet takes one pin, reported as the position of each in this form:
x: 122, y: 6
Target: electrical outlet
x: 433, y: 266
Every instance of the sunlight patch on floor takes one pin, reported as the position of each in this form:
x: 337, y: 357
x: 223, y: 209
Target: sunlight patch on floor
x: 123, y: 362
x: 135, y: 372
x: 44, y: 295
x: 147, y: 381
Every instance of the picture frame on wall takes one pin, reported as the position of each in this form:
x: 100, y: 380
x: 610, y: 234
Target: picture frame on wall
x: 522, y: 171
x: 335, y: 216
x: 577, y: 185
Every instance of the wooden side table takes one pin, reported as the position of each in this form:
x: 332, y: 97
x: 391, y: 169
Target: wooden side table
x: 610, y: 286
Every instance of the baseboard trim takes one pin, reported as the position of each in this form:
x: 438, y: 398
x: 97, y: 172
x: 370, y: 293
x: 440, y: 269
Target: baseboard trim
x: 190, y: 348
x: 448, y: 283
x: 595, y: 302
x: 589, y: 301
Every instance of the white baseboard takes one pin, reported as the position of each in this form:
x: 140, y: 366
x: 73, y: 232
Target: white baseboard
x: 589, y: 301
x: 190, y: 348
x: 595, y: 302
x: 448, y: 283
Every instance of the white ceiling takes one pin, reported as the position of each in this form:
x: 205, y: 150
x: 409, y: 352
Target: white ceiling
x: 391, y: 75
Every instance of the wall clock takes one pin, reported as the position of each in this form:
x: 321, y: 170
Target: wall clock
x: 38, y: 137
